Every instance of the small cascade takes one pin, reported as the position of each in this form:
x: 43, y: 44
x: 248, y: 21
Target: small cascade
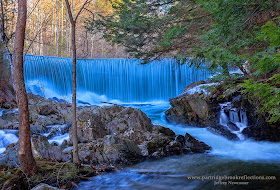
x: 235, y: 120
x: 233, y: 115
x: 57, y: 133
x: 6, y: 137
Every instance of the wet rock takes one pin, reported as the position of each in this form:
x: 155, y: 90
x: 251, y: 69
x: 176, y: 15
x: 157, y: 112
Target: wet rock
x: 224, y: 131
x: 196, y: 110
x: 174, y: 148
x: 41, y: 148
x: 158, y: 129
x: 109, y: 150
x: 259, y: 129
x: 123, y: 122
x: 233, y: 126
x: 9, y: 120
x: 116, y: 148
x: 38, y: 129
x: 58, y: 100
x: 262, y: 133
x: 144, y: 148
x: 181, y: 139
x: 195, y: 145
x: 10, y: 157
x: 7, y: 93
x: 109, y: 134
x: 130, y: 123
x: 43, y: 186
x: 89, y: 127
x: 41, y: 120
x: 47, y: 108
x: 237, y: 101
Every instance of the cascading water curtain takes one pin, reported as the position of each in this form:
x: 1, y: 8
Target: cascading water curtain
x: 122, y: 79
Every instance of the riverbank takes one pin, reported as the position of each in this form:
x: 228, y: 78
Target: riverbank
x: 111, y: 135
x: 225, y: 108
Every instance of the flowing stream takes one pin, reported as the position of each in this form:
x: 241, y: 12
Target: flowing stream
x: 148, y: 87
x: 227, y: 158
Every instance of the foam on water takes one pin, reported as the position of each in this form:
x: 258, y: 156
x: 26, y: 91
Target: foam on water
x: 202, y: 88
x: 246, y: 150
x: 6, y: 138
x: 59, y: 139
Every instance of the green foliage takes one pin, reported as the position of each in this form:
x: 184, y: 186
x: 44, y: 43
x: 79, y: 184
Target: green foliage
x: 268, y: 60
x: 220, y: 34
x: 172, y: 33
x: 267, y: 94
x: 270, y: 33
x: 151, y: 29
x: 233, y: 36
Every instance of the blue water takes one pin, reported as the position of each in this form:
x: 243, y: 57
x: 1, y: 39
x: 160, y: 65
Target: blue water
x: 149, y: 87
x: 125, y: 80
x: 227, y: 157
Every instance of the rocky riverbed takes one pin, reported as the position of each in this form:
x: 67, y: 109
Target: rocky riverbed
x: 110, y: 135
x: 204, y: 105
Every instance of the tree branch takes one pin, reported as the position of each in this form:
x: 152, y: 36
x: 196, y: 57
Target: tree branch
x: 82, y: 8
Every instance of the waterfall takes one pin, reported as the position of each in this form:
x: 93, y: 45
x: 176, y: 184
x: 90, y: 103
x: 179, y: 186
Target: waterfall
x: 235, y: 121
x: 116, y: 79
x: 223, y: 118
x: 233, y: 115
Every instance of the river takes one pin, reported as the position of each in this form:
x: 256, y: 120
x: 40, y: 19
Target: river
x: 119, y: 81
x: 227, y: 158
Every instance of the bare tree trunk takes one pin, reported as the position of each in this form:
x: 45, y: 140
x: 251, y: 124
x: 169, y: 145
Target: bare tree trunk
x: 57, y: 28
x: 27, y: 161
x: 74, y: 96
x: 73, y: 21
x: 38, y: 26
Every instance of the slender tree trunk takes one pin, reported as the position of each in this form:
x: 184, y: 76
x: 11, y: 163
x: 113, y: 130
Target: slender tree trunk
x: 38, y: 26
x: 57, y: 30
x: 27, y: 161
x: 73, y: 21
x: 74, y: 96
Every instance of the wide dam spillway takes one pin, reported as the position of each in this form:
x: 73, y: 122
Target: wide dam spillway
x: 126, y: 80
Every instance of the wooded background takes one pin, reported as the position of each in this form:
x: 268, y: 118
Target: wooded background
x: 48, y: 29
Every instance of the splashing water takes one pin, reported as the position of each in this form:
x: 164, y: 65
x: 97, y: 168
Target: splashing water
x: 237, y: 118
x: 7, y: 137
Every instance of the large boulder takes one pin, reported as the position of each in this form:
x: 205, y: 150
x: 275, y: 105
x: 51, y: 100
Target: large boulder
x: 123, y: 122
x: 10, y: 157
x: 195, y: 145
x: 108, y: 150
x: 9, y: 120
x: 195, y: 109
x: 7, y: 93
x: 223, y: 131
x: 130, y: 123
x: 89, y: 126
x: 258, y: 127
x: 42, y: 149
